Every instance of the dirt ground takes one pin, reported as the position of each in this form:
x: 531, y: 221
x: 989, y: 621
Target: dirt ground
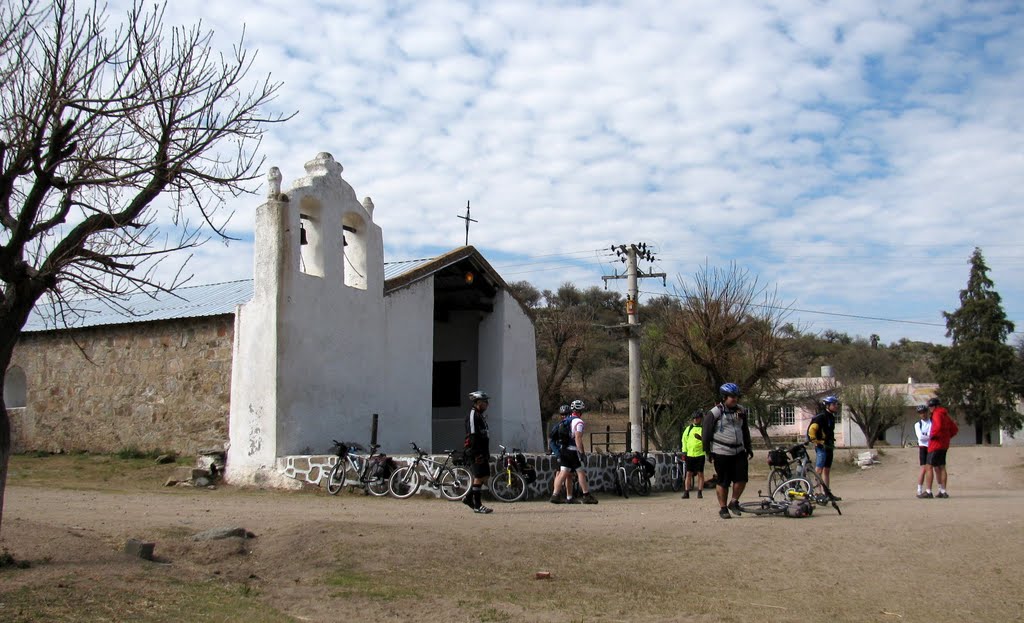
x: 889, y: 557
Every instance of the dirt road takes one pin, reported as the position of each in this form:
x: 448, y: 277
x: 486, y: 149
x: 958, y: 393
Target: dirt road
x: 889, y: 557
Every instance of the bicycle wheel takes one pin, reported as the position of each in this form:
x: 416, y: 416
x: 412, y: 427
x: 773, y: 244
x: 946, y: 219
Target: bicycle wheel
x: 455, y: 483
x: 336, y: 478
x: 404, y: 482
x: 378, y: 486
x: 622, y: 482
x: 508, y: 486
x: 776, y: 478
x: 639, y: 482
x: 763, y: 506
x: 792, y: 488
x: 677, y: 478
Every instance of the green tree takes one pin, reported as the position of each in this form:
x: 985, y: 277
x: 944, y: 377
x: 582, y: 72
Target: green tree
x: 976, y: 373
x: 98, y: 120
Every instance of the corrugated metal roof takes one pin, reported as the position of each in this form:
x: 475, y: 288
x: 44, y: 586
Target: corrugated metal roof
x: 186, y: 302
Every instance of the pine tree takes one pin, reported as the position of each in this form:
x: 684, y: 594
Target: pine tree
x: 976, y: 374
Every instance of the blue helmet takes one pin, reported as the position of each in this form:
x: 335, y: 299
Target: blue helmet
x: 729, y: 389
x: 829, y: 400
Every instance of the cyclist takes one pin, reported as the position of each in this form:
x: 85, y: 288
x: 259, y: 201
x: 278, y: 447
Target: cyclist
x: 822, y: 432
x: 693, y: 455
x: 923, y: 430
x: 478, y: 447
x: 572, y: 458
x: 943, y: 430
x: 727, y: 443
x: 555, y: 445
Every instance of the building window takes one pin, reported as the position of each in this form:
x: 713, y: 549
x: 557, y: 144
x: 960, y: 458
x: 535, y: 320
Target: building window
x: 782, y: 415
x: 447, y: 391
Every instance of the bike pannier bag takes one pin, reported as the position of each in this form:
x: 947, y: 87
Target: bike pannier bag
x: 777, y: 457
x: 799, y: 508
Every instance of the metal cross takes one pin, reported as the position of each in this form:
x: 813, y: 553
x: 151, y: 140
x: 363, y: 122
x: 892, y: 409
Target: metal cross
x: 468, y: 221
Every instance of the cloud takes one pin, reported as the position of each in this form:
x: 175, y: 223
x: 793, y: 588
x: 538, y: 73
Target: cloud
x: 859, y: 149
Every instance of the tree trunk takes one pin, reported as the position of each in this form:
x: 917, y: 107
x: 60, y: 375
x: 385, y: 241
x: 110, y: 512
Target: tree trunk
x: 764, y: 435
x: 5, y: 455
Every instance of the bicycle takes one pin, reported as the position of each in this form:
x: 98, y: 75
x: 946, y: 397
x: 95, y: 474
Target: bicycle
x: 620, y: 476
x: 355, y: 470
x: 780, y: 499
x: 677, y: 472
x: 799, y: 467
x: 509, y: 483
x: 453, y: 482
x: 640, y: 475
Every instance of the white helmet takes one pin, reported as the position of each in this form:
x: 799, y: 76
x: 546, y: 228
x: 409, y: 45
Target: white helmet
x: 577, y: 405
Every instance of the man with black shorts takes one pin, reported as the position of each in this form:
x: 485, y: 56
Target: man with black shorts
x: 572, y: 457
x: 822, y: 432
x: 478, y: 450
x: 693, y: 455
x: 923, y: 430
x: 943, y: 431
x: 727, y: 443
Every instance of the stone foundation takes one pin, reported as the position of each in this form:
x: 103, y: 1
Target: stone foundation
x: 312, y: 469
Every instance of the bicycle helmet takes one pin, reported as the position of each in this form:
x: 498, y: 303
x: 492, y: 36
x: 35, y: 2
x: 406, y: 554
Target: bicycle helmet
x: 922, y: 409
x: 829, y: 400
x: 563, y: 410
x: 698, y: 414
x: 934, y: 402
x: 729, y: 389
x: 479, y: 395
x: 577, y: 405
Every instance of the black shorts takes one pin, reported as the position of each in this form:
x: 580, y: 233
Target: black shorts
x: 480, y: 465
x: 569, y: 459
x: 730, y: 468
x: 937, y: 458
x: 695, y: 464
x: 922, y: 454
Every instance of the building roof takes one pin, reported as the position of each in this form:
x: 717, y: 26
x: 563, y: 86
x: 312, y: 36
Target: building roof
x: 222, y: 298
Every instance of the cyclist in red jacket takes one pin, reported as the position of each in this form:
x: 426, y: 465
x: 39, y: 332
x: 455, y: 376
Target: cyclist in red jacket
x: 944, y: 428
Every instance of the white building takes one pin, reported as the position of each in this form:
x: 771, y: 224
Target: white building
x: 323, y: 343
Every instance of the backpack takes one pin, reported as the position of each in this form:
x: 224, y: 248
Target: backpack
x: 560, y: 435
x: 800, y: 507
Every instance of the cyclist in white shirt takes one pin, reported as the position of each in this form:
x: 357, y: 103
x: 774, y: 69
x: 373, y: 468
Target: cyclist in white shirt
x: 923, y: 430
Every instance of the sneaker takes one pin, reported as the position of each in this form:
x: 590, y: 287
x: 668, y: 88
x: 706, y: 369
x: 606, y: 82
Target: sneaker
x: 734, y: 506
x: 573, y: 501
x: 589, y: 499
x: 724, y: 513
x: 557, y: 499
x: 483, y: 510
x: 925, y: 495
x: 686, y: 495
x: 700, y: 494
x: 942, y: 494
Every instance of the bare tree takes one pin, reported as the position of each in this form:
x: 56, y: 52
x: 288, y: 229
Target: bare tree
x: 873, y: 407
x: 97, y: 121
x: 731, y: 327
x: 562, y: 337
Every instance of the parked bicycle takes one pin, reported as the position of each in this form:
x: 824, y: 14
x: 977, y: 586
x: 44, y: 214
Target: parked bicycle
x: 352, y: 469
x: 512, y: 474
x: 640, y: 474
x: 677, y: 471
x: 620, y: 474
x: 796, y: 463
x: 453, y: 482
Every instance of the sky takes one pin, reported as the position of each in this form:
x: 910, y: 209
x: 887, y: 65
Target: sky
x: 849, y: 154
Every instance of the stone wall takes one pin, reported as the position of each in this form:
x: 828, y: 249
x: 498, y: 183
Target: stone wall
x: 161, y: 385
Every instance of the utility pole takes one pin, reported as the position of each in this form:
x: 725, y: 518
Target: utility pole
x: 628, y: 254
